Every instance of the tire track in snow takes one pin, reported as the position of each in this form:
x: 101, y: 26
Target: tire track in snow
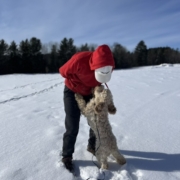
x: 32, y: 94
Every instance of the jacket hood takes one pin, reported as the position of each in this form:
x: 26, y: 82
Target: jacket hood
x: 101, y: 57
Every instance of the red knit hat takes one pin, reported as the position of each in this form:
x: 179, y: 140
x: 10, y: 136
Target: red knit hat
x: 101, y: 57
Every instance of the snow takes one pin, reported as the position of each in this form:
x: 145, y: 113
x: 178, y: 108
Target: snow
x: 146, y: 126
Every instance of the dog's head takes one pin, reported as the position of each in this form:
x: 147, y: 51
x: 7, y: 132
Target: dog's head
x: 97, y: 90
x: 98, y: 98
x: 103, y: 100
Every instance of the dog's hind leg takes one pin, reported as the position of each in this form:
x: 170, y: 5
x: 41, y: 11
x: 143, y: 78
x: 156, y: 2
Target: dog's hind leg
x: 103, y: 162
x: 119, y: 158
x: 102, y: 159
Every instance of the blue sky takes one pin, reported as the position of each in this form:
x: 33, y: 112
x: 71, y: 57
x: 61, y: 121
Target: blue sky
x: 92, y: 21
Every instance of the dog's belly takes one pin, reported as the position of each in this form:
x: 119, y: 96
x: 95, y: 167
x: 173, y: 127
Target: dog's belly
x: 107, y: 142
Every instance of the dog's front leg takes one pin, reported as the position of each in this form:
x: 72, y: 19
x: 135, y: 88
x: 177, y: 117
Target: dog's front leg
x: 81, y: 103
x: 98, y: 107
x: 111, y: 107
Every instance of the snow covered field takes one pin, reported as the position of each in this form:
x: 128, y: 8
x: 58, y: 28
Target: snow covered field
x: 147, y: 127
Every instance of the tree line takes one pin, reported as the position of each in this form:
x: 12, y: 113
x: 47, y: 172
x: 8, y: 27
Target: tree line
x: 31, y: 56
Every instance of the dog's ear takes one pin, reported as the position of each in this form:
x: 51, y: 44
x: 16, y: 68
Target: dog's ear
x: 99, y: 107
x: 112, y: 109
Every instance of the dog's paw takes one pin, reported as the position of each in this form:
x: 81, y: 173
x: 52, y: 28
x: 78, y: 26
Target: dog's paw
x: 112, y: 109
x: 99, y: 107
x: 121, y: 161
x: 78, y: 96
x: 104, y: 166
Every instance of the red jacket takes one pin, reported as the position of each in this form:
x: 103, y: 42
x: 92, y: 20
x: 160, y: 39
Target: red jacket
x: 79, y: 70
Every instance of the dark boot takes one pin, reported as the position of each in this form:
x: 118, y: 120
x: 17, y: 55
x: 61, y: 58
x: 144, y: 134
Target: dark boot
x: 68, y: 163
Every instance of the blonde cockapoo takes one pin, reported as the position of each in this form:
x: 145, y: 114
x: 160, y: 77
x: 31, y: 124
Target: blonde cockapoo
x: 96, y: 112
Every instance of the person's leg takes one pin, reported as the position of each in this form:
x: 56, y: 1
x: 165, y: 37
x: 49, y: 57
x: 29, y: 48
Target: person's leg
x: 71, y: 123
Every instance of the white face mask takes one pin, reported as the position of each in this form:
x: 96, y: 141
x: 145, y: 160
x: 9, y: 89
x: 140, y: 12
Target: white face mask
x: 103, y: 74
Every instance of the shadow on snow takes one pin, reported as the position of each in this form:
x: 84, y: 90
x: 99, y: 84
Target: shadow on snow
x: 153, y: 161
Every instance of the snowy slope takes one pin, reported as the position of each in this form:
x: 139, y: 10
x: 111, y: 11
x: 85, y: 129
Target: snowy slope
x: 147, y: 127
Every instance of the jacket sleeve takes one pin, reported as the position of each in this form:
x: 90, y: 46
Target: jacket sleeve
x: 69, y: 69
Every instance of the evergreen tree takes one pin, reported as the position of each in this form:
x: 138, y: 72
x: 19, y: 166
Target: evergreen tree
x: 84, y: 48
x: 28, y: 57
x: 3, y: 47
x: 92, y: 47
x: 120, y: 56
x: 4, y: 60
x: 53, y: 66
x: 13, y: 53
x: 24, y: 49
x: 66, y: 50
x: 13, y: 49
x: 140, y: 54
x: 35, y: 46
x: 152, y: 57
x: 176, y: 56
x: 36, y: 58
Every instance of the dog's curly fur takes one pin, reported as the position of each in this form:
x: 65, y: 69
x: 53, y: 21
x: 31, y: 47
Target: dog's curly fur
x: 96, y: 112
